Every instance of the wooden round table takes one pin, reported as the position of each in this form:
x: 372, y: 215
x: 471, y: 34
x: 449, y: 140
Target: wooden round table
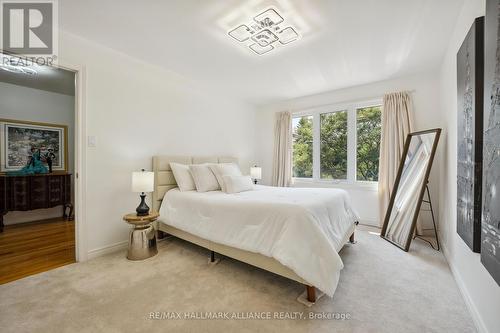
x: 142, y: 240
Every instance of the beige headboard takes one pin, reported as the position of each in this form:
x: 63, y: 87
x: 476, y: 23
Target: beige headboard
x: 164, y: 178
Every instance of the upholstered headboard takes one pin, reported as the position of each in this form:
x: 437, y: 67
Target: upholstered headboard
x: 164, y: 178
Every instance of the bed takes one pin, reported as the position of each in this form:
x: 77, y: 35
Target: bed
x: 292, y: 232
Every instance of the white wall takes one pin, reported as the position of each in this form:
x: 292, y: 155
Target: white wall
x: 479, y: 289
x: 22, y: 103
x: 426, y: 111
x: 136, y: 110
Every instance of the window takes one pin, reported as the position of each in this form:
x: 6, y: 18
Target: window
x: 368, y: 121
x: 333, y: 136
x: 338, y: 143
x: 302, y: 147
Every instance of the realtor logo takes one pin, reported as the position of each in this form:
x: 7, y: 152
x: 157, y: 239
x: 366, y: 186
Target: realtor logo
x: 29, y: 27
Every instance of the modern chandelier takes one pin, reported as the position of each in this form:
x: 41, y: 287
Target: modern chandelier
x: 15, y: 65
x: 265, y: 33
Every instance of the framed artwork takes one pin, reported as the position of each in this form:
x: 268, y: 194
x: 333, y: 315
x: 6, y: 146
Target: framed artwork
x: 490, y: 226
x: 470, y: 90
x: 17, y: 138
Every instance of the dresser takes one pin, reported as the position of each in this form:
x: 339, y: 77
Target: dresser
x: 22, y: 193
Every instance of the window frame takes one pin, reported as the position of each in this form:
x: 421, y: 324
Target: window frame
x: 351, y: 109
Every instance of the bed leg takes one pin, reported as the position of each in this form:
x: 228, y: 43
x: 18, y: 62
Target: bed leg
x: 351, y: 239
x: 160, y: 234
x: 212, y: 256
x: 311, y: 294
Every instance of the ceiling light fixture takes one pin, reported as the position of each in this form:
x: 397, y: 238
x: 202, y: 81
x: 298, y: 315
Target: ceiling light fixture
x: 15, y: 65
x: 18, y: 70
x: 265, y: 33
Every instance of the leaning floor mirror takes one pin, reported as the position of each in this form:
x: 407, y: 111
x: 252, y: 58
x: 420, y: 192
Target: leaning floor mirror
x: 409, y: 187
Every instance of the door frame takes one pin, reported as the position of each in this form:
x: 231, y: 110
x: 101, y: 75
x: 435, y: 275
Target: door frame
x: 80, y: 167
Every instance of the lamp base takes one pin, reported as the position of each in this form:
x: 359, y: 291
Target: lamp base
x: 142, y: 209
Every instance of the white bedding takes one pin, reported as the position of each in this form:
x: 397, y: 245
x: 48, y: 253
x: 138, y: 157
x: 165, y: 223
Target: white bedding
x: 302, y: 228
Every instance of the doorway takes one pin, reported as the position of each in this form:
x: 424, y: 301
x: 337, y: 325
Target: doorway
x: 38, y: 116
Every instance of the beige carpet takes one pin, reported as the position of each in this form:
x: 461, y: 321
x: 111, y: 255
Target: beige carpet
x: 381, y: 289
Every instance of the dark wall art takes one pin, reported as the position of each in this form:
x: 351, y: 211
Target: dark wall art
x: 490, y: 227
x: 470, y: 83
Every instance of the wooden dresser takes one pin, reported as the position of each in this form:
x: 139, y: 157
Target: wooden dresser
x: 21, y: 193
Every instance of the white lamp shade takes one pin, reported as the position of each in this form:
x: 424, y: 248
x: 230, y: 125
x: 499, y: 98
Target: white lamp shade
x: 256, y: 172
x: 143, y: 181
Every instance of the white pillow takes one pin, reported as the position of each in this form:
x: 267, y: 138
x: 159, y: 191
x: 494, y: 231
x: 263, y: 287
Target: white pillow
x: 204, y: 178
x: 225, y: 169
x: 183, y: 176
x: 236, y: 184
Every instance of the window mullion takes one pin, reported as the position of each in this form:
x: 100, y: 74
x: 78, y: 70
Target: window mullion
x: 316, y: 145
x: 351, y: 145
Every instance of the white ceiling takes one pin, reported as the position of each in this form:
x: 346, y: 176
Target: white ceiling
x: 344, y: 42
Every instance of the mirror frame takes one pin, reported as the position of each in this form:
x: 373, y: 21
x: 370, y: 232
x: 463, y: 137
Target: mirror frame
x: 406, y: 247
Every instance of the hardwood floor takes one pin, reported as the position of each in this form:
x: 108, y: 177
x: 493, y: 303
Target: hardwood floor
x: 34, y: 247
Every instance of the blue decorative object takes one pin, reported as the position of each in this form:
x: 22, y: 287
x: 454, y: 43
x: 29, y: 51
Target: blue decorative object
x: 33, y: 167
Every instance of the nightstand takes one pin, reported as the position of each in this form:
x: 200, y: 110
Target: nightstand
x: 142, y: 240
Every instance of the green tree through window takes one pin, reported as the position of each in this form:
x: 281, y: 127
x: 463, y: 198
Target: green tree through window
x: 368, y: 147
x: 336, y: 129
x: 302, y: 147
x: 333, y: 158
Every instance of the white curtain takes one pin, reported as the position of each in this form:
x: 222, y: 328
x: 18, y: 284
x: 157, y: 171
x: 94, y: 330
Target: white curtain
x: 282, y: 162
x: 397, y: 117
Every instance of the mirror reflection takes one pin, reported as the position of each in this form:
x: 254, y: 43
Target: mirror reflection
x: 406, y: 198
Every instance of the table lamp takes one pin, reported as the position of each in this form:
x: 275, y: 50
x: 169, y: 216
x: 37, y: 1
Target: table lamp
x: 256, y: 173
x: 143, y: 181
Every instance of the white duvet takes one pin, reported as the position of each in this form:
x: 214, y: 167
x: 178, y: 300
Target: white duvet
x: 302, y: 228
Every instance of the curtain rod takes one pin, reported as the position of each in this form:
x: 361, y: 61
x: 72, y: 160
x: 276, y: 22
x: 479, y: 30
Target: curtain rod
x: 367, y: 99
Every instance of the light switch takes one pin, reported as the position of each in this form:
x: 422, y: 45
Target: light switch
x: 91, y: 141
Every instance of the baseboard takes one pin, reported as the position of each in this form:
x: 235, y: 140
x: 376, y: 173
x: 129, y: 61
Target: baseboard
x: 107, y: 249
x: 369, y: 222
x: 476, y: 317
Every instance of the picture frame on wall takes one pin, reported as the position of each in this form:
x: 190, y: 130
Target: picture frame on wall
x: 470, y: 91
x: 490, y: 225
x: 18, y: 137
